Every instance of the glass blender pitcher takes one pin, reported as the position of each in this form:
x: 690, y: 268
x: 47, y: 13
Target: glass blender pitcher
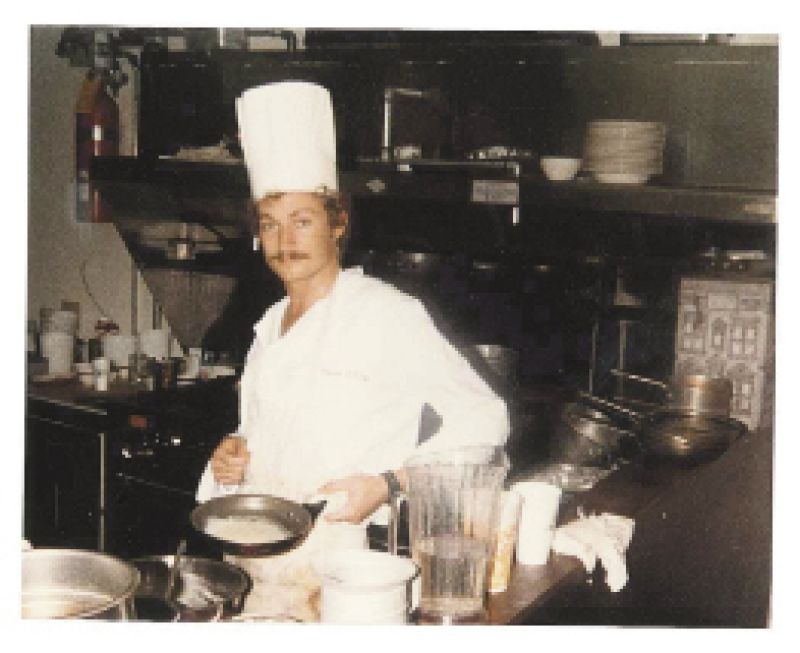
x: 453, y: 508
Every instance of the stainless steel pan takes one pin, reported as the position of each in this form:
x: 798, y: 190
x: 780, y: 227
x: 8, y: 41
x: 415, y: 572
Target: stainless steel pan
x: 677, y: 434
x: 296, y: 518
x: 682, y: 435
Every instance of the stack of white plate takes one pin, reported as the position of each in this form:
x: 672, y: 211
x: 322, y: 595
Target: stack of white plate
x: 624, y: 151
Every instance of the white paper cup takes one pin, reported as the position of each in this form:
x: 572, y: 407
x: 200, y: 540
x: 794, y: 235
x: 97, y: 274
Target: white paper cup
x: 505, y: 542
x: 537, y: 522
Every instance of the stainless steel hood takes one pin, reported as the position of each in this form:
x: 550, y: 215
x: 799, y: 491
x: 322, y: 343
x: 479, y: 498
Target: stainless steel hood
x: 192, y: 301
x: 185, y: 223
x: 186, y: 231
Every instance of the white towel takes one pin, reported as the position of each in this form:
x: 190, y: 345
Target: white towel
x: 605, y: 537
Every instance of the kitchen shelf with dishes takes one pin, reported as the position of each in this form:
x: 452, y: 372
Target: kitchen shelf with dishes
x: 218, y: 193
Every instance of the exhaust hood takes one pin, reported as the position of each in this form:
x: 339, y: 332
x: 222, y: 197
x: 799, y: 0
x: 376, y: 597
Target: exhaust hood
x: 185, y: 223
x: 187, y: 234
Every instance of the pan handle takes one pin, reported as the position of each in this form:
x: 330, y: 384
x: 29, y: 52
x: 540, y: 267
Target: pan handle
x: 642, y: 379
x: 392, y: 531
x: 315, y: 508
x: 627, y: 412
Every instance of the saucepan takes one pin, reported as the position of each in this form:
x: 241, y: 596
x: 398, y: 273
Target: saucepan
x: 255, y: 524
x: 72, y: 583
x: 696, y: 393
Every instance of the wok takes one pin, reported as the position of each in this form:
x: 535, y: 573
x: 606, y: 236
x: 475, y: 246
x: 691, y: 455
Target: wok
x: 296, y: 518
x: 677, y: 434
x: 682, y: 435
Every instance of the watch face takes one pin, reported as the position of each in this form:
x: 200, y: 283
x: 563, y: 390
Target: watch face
x: 392, y: 483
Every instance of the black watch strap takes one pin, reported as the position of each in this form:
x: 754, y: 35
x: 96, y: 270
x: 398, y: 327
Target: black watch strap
x: 392, y: 483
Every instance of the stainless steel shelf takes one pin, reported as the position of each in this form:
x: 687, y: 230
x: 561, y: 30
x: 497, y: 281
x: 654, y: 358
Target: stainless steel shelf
x: 219, y: 193
x: 734, y: 205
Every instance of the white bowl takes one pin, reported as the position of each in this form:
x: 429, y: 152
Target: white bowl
x: 559, y: 168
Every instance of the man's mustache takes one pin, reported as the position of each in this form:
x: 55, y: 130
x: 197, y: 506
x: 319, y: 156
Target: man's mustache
x: 282, y: 257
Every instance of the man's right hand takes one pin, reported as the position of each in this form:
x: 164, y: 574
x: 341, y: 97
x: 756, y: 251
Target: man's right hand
x: 230, y: 460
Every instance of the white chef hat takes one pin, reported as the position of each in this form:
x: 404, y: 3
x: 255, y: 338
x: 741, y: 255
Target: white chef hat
x: 288, y: 138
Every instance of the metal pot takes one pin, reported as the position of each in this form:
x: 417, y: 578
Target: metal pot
x: 698, y: 394
x: 207, y: 590
x: 71, y: 583
x: 296, y: 518
x: 500, y: 361
x: 702, y: 395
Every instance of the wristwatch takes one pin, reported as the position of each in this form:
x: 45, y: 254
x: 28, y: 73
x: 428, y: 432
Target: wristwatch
x: 392, y: 483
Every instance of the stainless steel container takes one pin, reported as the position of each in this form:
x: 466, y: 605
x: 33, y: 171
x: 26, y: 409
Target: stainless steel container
x: 698, y: 394
x: 76, y: 584
x: 702, y: 395
x: 503, y: 360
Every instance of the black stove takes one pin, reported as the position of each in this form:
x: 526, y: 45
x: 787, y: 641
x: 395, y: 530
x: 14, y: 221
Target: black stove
x: 155, y: 459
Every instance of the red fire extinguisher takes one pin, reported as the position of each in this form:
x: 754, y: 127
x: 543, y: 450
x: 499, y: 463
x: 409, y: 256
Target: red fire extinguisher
x: 96, y: 134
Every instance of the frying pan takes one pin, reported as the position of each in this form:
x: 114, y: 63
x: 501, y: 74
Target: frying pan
x: 296, y: 518
x: 677, y: 434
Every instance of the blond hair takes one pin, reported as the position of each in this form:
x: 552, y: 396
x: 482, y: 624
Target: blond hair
x: 336, y: 205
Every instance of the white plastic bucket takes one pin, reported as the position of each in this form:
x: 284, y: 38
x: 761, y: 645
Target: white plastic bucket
x: 364, y: 587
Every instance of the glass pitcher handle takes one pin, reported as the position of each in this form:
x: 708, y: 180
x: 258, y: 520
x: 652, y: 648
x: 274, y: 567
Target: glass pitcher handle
x: 394, y: 520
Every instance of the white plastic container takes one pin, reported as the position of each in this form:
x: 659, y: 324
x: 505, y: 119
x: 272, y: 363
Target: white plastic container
x: 365, y: 587
x: 117, y: 348
x: 155, y: 343
x: 61, y: 321
x: 102, y: 372
x: 58, y: 349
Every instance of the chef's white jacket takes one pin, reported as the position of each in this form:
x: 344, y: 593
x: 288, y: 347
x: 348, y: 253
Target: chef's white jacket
x: 342, y: 391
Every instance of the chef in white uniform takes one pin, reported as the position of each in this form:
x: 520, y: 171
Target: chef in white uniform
x: 339, y: 371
